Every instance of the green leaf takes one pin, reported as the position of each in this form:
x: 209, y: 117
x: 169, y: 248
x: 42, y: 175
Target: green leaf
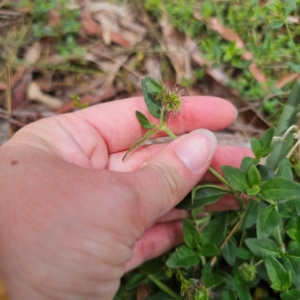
x: 146, y: 137
x: 266, y: 139
x: 268, y: 218
x: 276, y: 272
x: 242, y: 288
x: 293, y: 234
x: 253, y: 176
x: 190, y: 234
x: 289, y: 7
x: 214, y: 231
x: 276, y: 24
x: 256, y: 147
x: 236, y: 177
x: 297, y: 169
x: 229, y: 251
x: 284, y: 169
x: 183, y: 257
x: 228, y: 295
x: 151, y: 87
x: 243, y: 253
x: 143, y: 120
x: 294, y: 255
x: 287, y: 119
x: 250, y: 216
x: 208, y: 249
x: 135, y: 280
x: 202, y: 196
x: 290, y: 295
x: 294, y: 67
x: 279, y: 189
x: 213, y: 280
x: 261, y: 248
x: 295, y: 270
x: 265, y: 172
x: 247, y: 162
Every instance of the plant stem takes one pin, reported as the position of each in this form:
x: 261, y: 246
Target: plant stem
x: 223, y: 180
x: 258, y: 263
x: 168, y: 132
x: 278, y: 235
x: 291, y: 39
x: 164, y: 287
x: 233, y: 230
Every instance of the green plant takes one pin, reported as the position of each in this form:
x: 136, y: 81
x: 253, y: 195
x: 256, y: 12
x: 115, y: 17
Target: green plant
x: 273, y: 43
x: 238, y: 250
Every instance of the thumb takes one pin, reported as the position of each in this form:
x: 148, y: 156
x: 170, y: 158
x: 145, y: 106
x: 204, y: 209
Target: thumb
x: 168, y: 176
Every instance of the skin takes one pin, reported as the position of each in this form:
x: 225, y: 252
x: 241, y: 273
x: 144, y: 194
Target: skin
x: 74, y: 218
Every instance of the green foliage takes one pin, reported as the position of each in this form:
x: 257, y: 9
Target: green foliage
x: 56, y: 20
x: 268, y: 31
x: 260, y: 242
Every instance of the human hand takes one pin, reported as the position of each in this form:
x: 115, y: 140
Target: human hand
x: 74, y: 218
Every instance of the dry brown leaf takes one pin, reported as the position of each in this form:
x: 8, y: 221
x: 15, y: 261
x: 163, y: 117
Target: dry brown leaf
x: 89, y: 25
x: 231, y: 36
x: 34, y: 93
x: 33, y: 53
x: 284, y: 80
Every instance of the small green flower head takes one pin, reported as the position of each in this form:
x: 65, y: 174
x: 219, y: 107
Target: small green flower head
x: 247, y: 271
x: 172, y: 100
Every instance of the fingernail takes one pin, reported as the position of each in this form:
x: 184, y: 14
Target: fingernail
x: 196, y: 149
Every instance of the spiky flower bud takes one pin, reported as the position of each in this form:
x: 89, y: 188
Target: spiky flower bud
x: 247, y: 271
x: 171, y: 99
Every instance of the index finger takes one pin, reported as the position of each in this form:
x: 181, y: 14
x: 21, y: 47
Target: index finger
x: 117, y: 124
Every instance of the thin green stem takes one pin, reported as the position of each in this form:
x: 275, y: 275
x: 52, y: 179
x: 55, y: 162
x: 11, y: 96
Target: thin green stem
x: 164, y: 287
x: 222, y: 179
x: 291, y: 39
x: 169, y: 132
x: 278, y: 235
x: 258, y: 263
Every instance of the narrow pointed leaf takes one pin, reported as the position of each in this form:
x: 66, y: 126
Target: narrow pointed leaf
x: 228, y: 295
x: 253, y: 176
x: 150, y: 87
x: 146, y: 137
x: 208, y: 249
x: 276, y: 272
x: 202, y: 196
x: 190, y: 234
x: 183, y: 257
x: 237, y: 177
x: 287, y: 119
x: 250, y: 215
x: 242, y: 288
x: 294, y: 256
x: 213, y: 280
x: 143, y: 120
x: 268, y: 218
x: 261, y: 248
x: 229, y: 251
x: 214, y: 231
x: 255, y: 147
x: 280, y: 189
x: 295, y: 270
x: 290, y: 295
x: 265, y: 172
x: 266, y: 139
x: 284, y: 169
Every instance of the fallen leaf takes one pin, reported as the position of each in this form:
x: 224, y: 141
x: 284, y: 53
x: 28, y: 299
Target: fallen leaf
x: 34, y: 93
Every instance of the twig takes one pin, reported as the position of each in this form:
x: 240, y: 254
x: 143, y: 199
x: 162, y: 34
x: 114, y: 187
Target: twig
x: 8, y: 98
x: 4, y: 115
